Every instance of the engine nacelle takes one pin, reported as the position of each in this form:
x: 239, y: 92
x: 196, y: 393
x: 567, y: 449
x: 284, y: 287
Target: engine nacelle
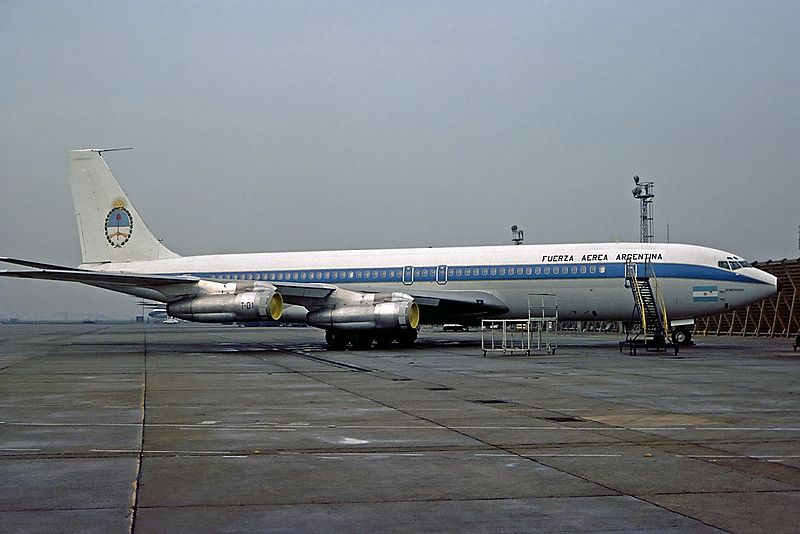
x: 247, y: 306
x: 395, y: 315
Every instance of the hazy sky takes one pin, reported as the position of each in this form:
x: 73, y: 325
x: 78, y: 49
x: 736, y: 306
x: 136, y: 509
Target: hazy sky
x: 269, y: 126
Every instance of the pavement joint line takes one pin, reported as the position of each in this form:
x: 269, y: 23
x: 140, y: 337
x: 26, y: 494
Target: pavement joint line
x: 137, y: 482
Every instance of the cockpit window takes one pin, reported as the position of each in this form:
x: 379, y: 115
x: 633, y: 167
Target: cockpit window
x: 732, y: 264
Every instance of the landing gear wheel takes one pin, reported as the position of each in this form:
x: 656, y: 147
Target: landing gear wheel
x: 682, y: 336
x: 383, y: 341
x: 336, y: 340
x: 407, y: 338
x: 362, y: 341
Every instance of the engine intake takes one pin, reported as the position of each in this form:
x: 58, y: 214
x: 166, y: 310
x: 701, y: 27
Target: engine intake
x: 396, y: 315
x: 247, y: 306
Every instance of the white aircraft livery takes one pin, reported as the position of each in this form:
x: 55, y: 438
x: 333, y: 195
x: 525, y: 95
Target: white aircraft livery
x: 362, y: 296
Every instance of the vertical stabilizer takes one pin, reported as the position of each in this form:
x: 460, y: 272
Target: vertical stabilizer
x: 109, y: 226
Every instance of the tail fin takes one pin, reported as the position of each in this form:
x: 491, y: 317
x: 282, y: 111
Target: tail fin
x: 110, y: 228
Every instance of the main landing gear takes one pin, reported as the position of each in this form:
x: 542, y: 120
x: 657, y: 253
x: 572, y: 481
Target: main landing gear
x: 362, y: 340
x: 682, y: 336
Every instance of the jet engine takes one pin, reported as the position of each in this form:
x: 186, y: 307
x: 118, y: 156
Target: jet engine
x: 247, y: 306
x: 395, y: 315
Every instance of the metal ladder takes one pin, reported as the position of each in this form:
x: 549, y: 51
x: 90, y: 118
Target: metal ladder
x: 649, y: 308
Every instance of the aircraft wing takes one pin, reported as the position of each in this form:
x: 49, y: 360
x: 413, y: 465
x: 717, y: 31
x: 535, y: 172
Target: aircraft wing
x: 36, y: 264
x: 295, y: 293
x: 96, y: 277
x: 440, y: 306
x: 437, y: 305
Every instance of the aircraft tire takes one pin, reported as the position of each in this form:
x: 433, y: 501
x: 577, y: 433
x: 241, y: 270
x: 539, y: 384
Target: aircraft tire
x: 362, y: 340
x: 383, y: 341
x: 407, y: 338
x: 682, y: 336
x: 336, y: 340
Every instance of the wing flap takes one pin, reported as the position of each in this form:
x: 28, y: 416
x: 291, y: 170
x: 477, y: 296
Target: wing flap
x: 291, y: 291
x: 457, y: 306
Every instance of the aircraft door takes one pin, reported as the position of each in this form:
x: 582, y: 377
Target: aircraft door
x: 408, y: 275
x: 441, y: 275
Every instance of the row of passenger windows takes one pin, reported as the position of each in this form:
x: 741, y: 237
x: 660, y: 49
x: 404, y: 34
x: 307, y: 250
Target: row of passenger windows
x: 420, y: 273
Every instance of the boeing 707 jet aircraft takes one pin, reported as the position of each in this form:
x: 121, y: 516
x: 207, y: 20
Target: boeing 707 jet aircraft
x: 362, y: 296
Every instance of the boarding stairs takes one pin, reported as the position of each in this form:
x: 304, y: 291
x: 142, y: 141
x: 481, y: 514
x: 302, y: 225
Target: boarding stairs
x: 649, y: 311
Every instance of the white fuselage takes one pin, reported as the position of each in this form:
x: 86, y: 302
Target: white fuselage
x: 588, y: 279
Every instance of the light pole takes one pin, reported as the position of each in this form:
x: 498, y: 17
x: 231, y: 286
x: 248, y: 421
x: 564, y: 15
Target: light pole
x: 644, y: 192
x: 517, y: 235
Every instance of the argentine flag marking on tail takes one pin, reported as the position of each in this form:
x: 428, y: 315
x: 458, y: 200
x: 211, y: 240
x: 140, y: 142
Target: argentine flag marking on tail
x: 705, y: 293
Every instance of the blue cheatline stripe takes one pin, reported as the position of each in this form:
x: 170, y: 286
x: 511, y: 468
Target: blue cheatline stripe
x: 704, y: 288
x: 485, y: 273
x: 705, y: 299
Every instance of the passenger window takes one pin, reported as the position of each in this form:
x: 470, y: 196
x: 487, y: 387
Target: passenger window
x: 374, y: 274
x: 538, y: 270
x: 528, y: 271
x: 592, y: 269
x: 574, y: 269
x: 583, y: 269
x: 547, y: 270
x: 502, y: 271
x: 602, y: 268
x: 458, y: 272
x: 556, y: 270
x: 519, y: 270
x: 358, y: 274
x: 484, y: 271
x: 494, y: 271
x: 302, y: 276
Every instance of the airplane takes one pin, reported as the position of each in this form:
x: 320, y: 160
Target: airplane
x: 361, y: 297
